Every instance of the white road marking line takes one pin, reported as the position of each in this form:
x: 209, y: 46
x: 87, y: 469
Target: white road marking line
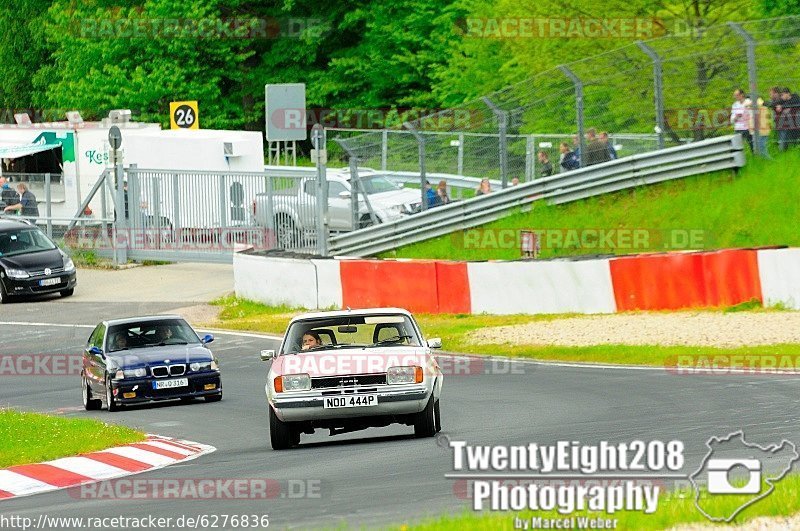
x: 143, y: 456
x: 54, y: 325
x: 20, y: 485
x: 88, y: 467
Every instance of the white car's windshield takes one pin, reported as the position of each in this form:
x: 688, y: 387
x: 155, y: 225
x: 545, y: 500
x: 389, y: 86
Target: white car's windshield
x: 24, y: 241
x: 357, y: 331
x: 378, y: 184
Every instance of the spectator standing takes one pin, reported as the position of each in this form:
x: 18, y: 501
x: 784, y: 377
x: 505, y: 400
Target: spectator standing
x: 764, y: 126
x: 431, y: 199
x: 27, y: 205
x: 596, y: 151
x: 568, y: 161
x: 612, y: 153
x: 514, y: 181
x: 484, y: 188
x: 790, y: 106
x: 7, y: 194
x: 740, y: 116
x: 545, y: 166
x: 576, y: 148
x: 775, y: 104
x: 441, y: 191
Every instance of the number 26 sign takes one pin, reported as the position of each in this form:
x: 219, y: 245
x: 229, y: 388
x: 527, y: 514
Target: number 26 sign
x: 183, y: 115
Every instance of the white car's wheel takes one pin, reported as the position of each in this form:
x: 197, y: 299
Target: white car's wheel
x: 425, y: 423
x: 281, y: 434
x: 437, y: 417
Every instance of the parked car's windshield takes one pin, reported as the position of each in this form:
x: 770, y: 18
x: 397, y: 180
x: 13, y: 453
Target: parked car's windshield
x: 146, y: 334
x: 377, y: 184
x: 24, y: 241
x: 350, y: 332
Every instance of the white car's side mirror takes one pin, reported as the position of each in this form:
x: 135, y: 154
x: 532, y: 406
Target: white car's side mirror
x: 267, y: 355
x: 435, y: 342
x: 344, y: 195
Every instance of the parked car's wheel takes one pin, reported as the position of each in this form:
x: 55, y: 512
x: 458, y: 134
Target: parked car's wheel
x: 67, y: 292
x: 3, y: 294
x: 112, y: 407
x: 282, y: 434
x: 366, y: 221
x: 213, y: 398
x: 425, y: 422
x: 286, y: 232
x: 89, y: 403
x: 437, y: 417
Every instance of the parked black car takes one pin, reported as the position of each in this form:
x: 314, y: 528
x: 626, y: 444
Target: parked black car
x: 142, y: 359
x: 31, y: 264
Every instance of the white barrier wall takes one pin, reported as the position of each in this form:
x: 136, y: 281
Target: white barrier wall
x: 329, y: 282
x: 275, y: 281
x: 541, y: 287
x: 779, y: 272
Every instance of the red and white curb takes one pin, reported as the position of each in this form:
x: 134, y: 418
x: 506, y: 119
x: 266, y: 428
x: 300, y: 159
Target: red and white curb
x: 150, y: 454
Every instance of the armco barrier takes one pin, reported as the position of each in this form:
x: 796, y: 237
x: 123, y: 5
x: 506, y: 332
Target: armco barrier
x: 685, y: 280
x: 541, y: 287
x: 779, y: 272
x: 669, y: 281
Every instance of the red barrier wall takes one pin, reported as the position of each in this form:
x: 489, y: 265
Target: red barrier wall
x: 418, y: 286
x: 685, y: 280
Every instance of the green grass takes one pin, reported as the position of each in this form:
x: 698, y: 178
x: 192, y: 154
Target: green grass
x: 726, y: 210
x: 32, y: 437
x: 454, y: 329
x: 673, y: 509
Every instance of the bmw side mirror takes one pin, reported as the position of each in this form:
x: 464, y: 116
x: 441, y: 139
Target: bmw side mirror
x: 435, y: 342
x: 97, y: 351
x: 267, y: 355
x: 208, y: 338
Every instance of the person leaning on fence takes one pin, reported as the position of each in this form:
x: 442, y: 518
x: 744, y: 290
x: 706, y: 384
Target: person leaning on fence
x: 545, y: 166
x: 7, y: 194
x: 740, y: 116
x: 27, y: 205
x: 431, y: 197
x: 612, y: 153
x: 441, y: 192
x: 790, y: 106
x: 568, y: 159
x: 596, y: 151
x: 484, y: 188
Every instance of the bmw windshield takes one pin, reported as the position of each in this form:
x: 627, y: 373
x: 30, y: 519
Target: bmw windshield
x: 24, y: 241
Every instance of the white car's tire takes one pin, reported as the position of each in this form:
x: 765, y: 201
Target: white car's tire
x: 425, y: 422
x: 282, y: 435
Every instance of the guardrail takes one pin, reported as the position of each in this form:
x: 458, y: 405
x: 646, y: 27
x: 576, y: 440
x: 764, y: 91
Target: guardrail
x: 638, y: 170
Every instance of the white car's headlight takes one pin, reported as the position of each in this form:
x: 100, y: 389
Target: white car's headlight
x: 17, y: 273
x: 293, y: 382
x: 134, y: 373
x: 69, y: 265
x: 203, y: 366
x: 404, y: 375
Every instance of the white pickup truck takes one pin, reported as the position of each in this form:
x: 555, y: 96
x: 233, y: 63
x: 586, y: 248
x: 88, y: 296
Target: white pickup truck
x: 293, y: 209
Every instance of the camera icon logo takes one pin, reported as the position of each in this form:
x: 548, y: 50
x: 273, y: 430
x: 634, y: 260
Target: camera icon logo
x: 722, y: 476
x: 736, y: 468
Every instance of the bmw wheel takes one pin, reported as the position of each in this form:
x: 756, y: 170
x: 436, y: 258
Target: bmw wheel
x: 89, y: 403
x: 112, y: 406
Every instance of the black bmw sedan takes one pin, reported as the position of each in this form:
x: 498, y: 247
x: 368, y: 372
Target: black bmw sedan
x: 31, y: 264
x: 142, y: 359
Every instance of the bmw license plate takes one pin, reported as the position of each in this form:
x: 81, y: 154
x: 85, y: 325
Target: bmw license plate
x: 171, y: 384
x: 333, y: 402
x: 50, y: 281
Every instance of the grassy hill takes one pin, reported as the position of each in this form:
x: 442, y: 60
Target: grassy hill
x: 758, y: 206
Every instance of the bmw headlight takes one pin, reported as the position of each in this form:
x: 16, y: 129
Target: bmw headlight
x: 69, y: 265
x: 135, y: 373
x: 404, y: 375
x: 203, y: 366
x: 17, y: 273
x: 293, y: 382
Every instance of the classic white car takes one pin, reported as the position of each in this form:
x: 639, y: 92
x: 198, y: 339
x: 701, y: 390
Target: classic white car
x: 349, y: 370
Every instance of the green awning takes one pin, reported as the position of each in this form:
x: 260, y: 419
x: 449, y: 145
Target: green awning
x: 15, y: 152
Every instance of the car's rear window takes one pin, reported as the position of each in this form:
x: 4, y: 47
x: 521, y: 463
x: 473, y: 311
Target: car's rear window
x: 24, y: 241
x: 353, y: 332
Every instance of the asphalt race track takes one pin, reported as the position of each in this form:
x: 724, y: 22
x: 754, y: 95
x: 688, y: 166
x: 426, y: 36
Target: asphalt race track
x: 380, y: 476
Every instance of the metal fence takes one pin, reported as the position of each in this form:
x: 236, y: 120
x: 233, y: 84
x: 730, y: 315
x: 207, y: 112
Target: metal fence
x: 650, y: 94
x: 638, y: 170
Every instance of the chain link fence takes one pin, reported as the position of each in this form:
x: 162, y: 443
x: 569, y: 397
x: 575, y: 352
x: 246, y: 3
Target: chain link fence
x: 645, y: 96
